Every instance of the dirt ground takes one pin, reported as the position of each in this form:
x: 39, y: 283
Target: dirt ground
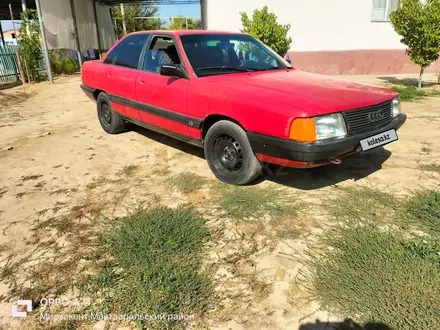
x: 58, y: 163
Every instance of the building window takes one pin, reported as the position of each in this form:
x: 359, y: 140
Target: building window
x: 383, y: 8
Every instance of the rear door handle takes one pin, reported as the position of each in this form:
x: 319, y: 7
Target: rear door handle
x: 109, y: 74
x: 141, y: 81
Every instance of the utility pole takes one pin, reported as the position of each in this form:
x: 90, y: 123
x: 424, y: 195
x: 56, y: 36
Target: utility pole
x: 24, y: 8
x: 1, y: 34
x: 12, y: 19
x: 44, y: 41
x: 124, y: 28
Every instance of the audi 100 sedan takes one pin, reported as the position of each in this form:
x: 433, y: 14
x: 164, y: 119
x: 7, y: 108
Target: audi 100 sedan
x: 235, y: 97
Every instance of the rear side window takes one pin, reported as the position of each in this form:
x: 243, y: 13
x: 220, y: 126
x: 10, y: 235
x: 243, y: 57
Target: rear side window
x: 128, y: 51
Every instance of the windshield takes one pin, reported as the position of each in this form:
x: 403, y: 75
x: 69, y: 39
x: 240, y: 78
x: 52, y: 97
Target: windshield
x: 211, y: 54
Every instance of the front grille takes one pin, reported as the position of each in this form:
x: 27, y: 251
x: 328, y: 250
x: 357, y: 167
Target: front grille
x: 358, y: 120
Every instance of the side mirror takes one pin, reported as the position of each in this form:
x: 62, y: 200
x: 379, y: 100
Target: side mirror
x: 171, y: 71
x: 288, y: 60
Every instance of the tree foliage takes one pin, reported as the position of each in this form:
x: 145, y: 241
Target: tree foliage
x: 30, y: 44
x: 133, y: 23
x: 419, y: 25
x: 182, y: 23
x: 264, y: 26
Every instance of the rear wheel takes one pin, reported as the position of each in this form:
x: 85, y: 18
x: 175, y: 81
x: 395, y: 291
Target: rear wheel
x: 229, y: 154
x: 110, y: 121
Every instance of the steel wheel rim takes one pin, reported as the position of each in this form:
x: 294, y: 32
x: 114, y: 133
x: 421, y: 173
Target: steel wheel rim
x: 228, y: 154
x: 106, y: 114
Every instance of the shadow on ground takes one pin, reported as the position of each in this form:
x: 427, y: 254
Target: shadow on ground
x: 348, y: 324
x: 405, y: 81
x: 169, y: 141
x: 354, y: 167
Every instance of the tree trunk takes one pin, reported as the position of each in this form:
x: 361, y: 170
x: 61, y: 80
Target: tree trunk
x: 420, y: 77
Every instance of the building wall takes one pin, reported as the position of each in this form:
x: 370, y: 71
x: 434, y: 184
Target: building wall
x: 333, y: 37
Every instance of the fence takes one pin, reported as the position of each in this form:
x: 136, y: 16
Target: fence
x: 8, y: 63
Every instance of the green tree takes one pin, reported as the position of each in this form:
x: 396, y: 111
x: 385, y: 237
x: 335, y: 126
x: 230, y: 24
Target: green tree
x: 133, y: 23
x: 419, y: 25
x: 264, y: 26
x: 30, y: 44
x: 182, y: 23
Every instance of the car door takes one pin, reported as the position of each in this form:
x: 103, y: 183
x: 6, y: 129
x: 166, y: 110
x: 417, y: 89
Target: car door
x: 161, y: 100
x: 121, y: 70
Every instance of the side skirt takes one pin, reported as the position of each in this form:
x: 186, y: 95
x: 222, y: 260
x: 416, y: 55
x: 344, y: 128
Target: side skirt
x: 181, y: 137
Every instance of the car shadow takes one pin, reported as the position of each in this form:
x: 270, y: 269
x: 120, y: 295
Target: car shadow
x: 354, y: 167
x: 406, y: 81
x: 347, y: 324
x: 168, y: 141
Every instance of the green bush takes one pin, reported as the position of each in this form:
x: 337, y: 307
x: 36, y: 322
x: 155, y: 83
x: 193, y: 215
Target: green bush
x: 264, y: 26
x: 68, y: 65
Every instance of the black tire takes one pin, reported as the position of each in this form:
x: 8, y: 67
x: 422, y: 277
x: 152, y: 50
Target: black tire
x: 229, y: 154
x: 110, y: 121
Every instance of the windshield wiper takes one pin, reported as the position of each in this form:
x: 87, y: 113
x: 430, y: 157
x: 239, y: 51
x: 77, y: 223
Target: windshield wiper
x: 225, y: 67
x: 275, y: 68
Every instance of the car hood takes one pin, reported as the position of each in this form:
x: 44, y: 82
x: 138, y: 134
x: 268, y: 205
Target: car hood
x: 314, y: 94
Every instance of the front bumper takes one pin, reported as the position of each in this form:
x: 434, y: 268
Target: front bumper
x: 312, y: 154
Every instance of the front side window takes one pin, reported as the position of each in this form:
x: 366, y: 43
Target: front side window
x: 127, y: 52
x: 211, y: 54
x: 162, y: 51
x: 383, y: 8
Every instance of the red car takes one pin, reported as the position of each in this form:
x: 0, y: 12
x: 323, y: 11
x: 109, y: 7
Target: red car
x: 239, y: 100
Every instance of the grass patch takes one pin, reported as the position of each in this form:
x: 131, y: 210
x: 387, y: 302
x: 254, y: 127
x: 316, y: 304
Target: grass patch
x: 151, y: 263
x: 373, y: 276
x: 375, y: 269
x: 367, y: 205
x: 422, y: 211
x: 411, y: 93
x: 430, y: 167
x: 245, y: 202
x: 187, y: 182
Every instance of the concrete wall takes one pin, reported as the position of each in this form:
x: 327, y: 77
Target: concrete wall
x: 333, y: 37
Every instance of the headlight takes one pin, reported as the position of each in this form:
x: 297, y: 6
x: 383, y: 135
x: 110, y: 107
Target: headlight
x: 330, y: 126
x: 396, y: 107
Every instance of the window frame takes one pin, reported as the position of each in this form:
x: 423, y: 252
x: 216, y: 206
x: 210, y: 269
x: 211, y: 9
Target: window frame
x: 148, y: 45
x: 387, y: 8
x: 148, y: 35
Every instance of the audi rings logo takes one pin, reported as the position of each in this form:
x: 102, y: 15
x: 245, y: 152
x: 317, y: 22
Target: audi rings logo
x: 375, y: 116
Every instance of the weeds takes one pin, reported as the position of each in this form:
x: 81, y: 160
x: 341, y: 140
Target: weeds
x: 374, y: 268
x: 369, y: 274
x: 430, y: 167
x: 128, y: 170
x: 422, y: 211
x: 244, y: 202
x: 187, y: 182
x: 366, y: 205
x: 150, y: 263
x: 411, y: 93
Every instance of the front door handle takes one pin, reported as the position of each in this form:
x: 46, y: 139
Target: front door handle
x: 141, y: 81
x: 109, y: 74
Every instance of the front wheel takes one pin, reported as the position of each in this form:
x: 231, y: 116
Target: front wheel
x: 229, y: 154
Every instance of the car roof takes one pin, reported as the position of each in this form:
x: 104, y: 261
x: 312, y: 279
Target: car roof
x: 184, y: 32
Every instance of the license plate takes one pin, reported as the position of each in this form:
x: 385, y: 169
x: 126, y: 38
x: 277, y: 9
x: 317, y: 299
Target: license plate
x: 379, y: 140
